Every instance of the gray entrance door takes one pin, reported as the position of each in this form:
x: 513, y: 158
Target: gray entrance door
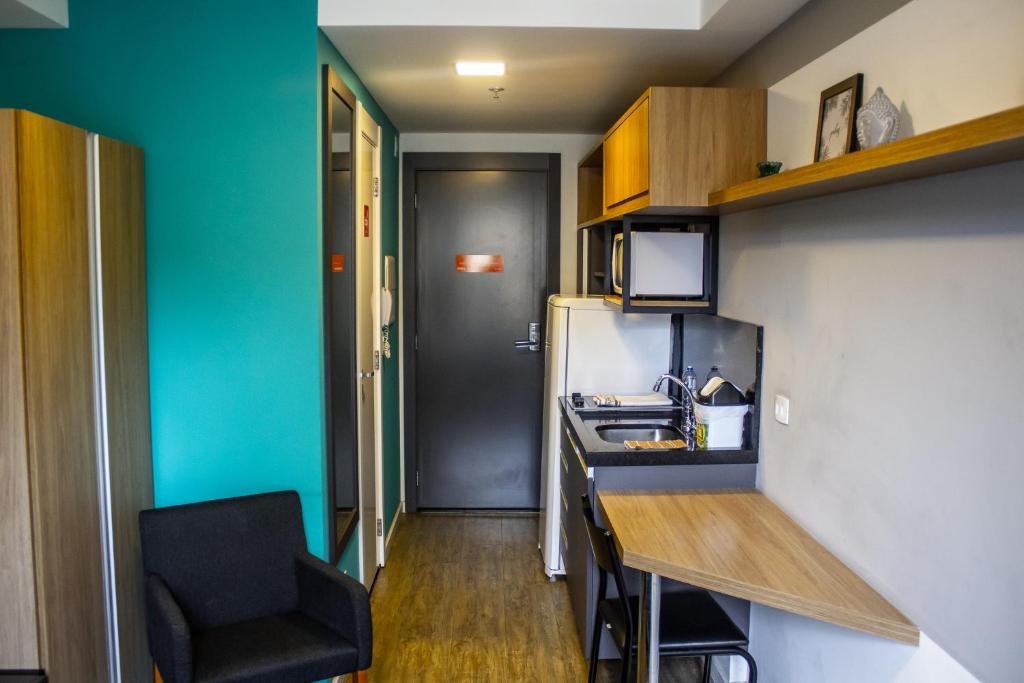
x: 481, y: 278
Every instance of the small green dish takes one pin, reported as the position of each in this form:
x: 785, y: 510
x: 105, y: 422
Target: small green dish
x: 768, y: 167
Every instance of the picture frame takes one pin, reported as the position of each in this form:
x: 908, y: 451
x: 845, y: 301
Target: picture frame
x: 835, y: 134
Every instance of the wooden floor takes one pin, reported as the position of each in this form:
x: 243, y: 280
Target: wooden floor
x: 465, y: 598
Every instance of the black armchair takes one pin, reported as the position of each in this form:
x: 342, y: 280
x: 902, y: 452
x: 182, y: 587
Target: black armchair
x: 232, y: 595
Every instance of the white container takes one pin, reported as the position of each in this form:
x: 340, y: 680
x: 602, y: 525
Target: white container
x: 719, y: 426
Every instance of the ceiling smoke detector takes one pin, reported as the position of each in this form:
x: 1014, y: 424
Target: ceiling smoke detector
x: 496, y: 92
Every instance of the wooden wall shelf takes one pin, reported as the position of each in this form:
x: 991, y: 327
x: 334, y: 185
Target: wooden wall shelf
x: 987, y: 140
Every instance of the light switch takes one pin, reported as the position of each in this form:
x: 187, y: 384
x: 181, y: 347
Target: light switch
x: 782, y: 409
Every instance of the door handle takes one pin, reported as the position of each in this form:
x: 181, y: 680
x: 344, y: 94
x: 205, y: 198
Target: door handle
x: 533, y: 343
x: 366, y: 375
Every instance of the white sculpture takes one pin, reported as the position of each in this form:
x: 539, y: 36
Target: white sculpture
x: 878, y: 121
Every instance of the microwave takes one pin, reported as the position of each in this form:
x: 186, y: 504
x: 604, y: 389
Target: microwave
x: 661, y: 264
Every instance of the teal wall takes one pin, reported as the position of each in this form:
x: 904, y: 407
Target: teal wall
x: 392, y: 474
x: 223, y: 97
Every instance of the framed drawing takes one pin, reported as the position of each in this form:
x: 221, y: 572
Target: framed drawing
x: 836, y: 118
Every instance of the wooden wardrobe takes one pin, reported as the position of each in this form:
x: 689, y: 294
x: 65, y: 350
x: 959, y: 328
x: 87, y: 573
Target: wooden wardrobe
x: 75, y: 464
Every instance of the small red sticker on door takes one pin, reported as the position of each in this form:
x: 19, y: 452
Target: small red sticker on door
x: 479, y: 263
x: 337, y: 263
x: 366, y: 220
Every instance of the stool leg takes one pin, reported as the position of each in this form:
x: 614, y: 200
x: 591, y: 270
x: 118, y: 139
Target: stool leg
x: 595, y: 648
x: 707, y: 669
x: 361, y: 676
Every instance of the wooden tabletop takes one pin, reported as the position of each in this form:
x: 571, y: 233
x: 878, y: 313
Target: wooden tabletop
x: 741, y: 544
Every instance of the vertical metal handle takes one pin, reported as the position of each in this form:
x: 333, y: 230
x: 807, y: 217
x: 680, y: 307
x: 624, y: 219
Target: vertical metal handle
x: 533, y: 343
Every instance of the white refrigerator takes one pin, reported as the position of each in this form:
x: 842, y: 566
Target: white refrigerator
x: 590, y: 348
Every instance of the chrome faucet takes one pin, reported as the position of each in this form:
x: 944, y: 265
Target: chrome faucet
x: 661, y: 380
x: 689, y: 419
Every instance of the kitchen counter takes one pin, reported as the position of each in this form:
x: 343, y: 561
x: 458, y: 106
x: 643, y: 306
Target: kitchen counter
x: 596, y: 452
x: 739, y: 543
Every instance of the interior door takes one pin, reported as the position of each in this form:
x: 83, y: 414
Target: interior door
x: 367, y: 337
x: 480, y: 282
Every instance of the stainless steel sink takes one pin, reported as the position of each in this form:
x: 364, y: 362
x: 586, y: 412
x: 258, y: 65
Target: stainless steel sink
x: 637, y: 432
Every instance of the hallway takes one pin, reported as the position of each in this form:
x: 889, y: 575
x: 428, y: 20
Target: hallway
x: 464, y: 598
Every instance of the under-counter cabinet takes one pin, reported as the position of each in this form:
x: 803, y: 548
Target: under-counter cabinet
x: 75, y: 462
x: 580, y: 569
x: 733, y: 470
x: 670, y: 149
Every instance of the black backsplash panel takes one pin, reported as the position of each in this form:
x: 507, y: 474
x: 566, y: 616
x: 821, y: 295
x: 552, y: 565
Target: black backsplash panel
x: 736, y: 347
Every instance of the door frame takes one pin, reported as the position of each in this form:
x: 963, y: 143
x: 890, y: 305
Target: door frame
x: 413, y: 163
x: 365, y: 121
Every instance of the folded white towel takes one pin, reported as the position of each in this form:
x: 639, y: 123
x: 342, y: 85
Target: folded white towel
x: 632, y: 401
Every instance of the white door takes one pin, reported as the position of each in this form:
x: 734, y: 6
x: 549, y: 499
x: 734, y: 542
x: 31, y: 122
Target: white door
x: 368, y: 341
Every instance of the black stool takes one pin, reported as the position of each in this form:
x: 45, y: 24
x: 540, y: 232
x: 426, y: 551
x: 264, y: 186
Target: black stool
x: 692, y: 623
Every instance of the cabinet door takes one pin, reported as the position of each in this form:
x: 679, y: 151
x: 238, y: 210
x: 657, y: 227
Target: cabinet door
x: 577, y: 557
x: 126, y: 386
x: 60, y: 397
x: 627, y: 157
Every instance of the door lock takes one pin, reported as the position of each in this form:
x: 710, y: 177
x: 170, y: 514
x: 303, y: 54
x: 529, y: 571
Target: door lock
x: 533, y: 343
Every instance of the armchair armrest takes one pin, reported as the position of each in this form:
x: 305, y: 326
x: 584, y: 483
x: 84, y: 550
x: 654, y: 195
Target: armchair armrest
x: 337, y: 601
x: 170, y: 639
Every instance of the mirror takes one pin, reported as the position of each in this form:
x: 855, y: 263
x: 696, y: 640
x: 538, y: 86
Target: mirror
x: 339, y: 311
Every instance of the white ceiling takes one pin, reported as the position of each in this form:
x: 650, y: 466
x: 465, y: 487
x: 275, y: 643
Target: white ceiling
x: 560, y: 78
x: 655, y: 14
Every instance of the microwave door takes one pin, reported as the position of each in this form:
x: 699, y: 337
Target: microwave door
x: 667, y: 264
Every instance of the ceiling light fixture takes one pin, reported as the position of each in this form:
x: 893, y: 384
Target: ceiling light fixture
x: 480, y: 68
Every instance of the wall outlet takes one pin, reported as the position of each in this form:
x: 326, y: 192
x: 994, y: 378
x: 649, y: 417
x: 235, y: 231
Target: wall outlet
x: 782, y: 409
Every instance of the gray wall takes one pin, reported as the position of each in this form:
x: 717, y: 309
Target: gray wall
x: 894, y: 321
x: 812, y: 31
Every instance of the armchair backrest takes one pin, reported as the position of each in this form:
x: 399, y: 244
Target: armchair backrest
x: 228, y: 560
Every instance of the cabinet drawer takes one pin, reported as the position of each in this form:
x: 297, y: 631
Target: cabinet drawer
x: 627, y: 157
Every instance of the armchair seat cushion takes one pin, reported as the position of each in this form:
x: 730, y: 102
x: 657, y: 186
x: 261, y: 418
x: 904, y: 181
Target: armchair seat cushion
x: 281, y: 648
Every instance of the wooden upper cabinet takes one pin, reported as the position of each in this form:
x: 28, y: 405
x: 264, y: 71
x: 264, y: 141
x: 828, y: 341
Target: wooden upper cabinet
x: 627, y: 156
x: 673, y: 147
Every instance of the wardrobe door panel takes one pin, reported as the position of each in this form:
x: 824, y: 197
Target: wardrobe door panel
x: 17, y: 580
x: 60, y: 398
x: 123, y: 259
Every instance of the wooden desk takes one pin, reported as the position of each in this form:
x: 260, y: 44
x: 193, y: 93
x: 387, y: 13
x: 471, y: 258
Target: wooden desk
x: 741, y: 544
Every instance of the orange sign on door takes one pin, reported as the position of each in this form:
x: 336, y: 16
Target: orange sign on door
x: 366, y: 220
x: 337, y: 263
x: 479, y: 263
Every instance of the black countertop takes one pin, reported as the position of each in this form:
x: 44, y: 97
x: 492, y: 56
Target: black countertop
x: 600, y: 453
